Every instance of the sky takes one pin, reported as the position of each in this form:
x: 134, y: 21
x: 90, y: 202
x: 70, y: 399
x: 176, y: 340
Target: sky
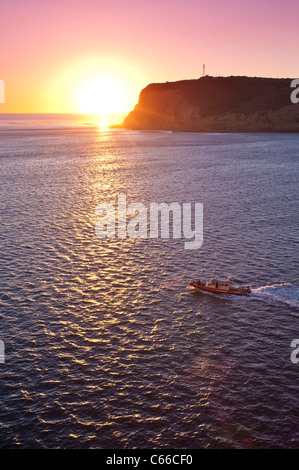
x: 55, y: 54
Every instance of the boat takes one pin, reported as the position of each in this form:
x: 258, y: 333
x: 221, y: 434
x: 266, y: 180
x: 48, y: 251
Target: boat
x: 217, y: 286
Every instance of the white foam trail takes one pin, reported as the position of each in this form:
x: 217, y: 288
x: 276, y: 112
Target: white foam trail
x: 285, y: 293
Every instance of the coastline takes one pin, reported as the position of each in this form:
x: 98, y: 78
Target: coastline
x: 216, y: 104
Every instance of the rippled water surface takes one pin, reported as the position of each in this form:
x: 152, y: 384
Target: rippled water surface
x: 105, y: 344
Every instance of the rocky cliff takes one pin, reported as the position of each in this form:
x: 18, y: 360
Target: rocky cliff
x: 216, y: 104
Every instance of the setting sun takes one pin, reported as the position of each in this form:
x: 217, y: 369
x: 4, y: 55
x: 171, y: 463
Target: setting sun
x: 149, y: 276
x: 102, y: 95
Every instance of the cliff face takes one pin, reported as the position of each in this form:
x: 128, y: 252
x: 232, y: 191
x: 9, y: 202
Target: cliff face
x: 216, y: 104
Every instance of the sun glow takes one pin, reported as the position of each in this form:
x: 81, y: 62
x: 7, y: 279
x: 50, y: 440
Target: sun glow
x: 102, y: 95
x: 93, y: 86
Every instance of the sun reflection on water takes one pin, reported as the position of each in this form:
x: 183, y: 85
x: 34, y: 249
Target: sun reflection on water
x: 102, y: 123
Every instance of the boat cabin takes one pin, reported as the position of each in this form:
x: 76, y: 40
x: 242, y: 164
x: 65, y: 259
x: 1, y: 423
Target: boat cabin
x: 215, y: 284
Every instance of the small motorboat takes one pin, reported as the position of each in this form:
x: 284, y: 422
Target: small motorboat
x: 220, y: 287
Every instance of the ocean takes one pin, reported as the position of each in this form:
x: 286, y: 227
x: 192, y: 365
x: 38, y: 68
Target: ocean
x: 105, y: 345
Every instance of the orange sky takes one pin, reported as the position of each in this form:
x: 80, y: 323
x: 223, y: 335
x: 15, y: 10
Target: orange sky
x: 50, y: 50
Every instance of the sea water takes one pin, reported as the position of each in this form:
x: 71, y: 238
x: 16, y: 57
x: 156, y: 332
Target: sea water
x: 104, y: 344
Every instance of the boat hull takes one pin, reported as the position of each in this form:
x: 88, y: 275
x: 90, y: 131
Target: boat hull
x: 217, y: 291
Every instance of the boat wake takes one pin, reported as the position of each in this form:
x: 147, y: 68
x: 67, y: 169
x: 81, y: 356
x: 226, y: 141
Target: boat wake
x: 284, y: 293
